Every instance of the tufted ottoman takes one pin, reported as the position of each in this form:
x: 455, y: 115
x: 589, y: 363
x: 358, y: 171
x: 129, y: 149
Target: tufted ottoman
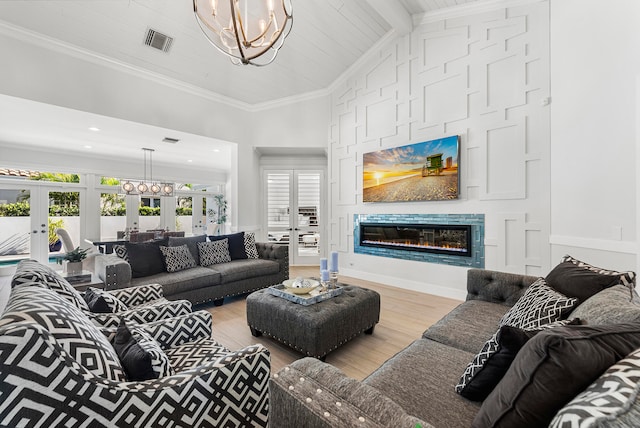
x: 318, y: 329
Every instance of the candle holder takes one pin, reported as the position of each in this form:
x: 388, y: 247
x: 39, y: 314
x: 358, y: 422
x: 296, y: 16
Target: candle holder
x: 333, y: 279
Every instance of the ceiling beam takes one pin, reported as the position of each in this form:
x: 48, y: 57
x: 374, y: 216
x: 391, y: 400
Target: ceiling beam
x: 395, y: 14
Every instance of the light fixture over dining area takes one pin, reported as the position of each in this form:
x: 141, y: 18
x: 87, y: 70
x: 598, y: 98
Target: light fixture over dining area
x: 146, y: 187
x: 248, y: 31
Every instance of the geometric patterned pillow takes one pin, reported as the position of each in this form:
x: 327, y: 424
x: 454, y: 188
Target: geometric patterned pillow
x: 71, y: 328
x: 250, y: 245
x: 539, y: 305
x: 610, y: 398
x: 32, y: 271
x: 140, y: 354
x: 215, y: 252
x: 121, y: 251
x: 177, y: 258
x: 104, y: 299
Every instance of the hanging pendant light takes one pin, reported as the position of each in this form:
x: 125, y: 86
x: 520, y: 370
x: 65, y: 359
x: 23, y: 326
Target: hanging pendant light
x: 147, y: 187
x: 248, y: 31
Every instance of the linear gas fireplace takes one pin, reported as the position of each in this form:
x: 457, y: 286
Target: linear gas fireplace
x: 451, y: 239
x: 431, y: 238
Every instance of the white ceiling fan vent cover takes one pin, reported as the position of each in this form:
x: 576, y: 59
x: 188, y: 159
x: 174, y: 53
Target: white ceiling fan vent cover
x: 158, y: 40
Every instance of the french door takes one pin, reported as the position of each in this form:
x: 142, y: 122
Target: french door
x: 293, y: 211
x: 27, y: 223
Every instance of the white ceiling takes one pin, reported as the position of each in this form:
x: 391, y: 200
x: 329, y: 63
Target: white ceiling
x: 328, y: 37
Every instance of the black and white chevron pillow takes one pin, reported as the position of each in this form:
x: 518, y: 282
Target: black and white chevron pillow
x: 177, y: 258
x: 215, y: 252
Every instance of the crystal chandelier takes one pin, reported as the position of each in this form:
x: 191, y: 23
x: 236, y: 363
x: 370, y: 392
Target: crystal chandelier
x: 248, y: 31
x: 144, y: 187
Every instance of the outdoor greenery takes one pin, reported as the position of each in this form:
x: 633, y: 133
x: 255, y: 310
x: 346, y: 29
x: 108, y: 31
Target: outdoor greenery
x: 67, y: 204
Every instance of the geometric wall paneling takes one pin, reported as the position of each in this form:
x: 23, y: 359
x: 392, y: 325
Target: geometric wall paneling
x: 504, y: 162
x: 480, y: 73
x: 346, y: 129
x: 345, y: 184
x: 438, y: 48
x: 511, y: 238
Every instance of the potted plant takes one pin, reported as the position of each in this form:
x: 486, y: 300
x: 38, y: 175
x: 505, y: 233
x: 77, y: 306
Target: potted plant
x: 73, y: 259
x: 54, y: 242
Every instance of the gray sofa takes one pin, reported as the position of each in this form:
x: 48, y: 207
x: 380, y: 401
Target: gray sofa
x: 415, y: 388
x: 204, y: 284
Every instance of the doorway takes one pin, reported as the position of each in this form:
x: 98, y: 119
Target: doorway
x: 294, y: 212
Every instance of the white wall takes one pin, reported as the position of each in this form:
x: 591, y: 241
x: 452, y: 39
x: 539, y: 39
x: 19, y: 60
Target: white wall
x: 484, y: 76
x: 594, y: 65
x: 50, y: 73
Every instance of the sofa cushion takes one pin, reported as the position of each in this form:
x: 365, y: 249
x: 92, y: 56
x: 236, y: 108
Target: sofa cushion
x: 494, y: 359
x: 191, y: 242
x: 71, y: 328
x: 236, y: 244
x: 145, y: 258
x: 610, y: 306
x: 612, y: 397
x: 177, y: 258
x: 467, y: 326
x: 100, y: 301
x: 539, y: 305
x: 215, y: 252
x: 238, y: 270
x: 551, y: 369
x: 140, y: 355
x: 250, y: 245
x: 420, y: 379
x: 33, y: 272
x: 184, y: 280
x: 574, y: 278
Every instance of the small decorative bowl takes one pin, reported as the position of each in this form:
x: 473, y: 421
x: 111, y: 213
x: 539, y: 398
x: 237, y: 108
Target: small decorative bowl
x: 300, y: 285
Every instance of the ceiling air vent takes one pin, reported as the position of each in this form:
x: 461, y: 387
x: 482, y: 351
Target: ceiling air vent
x: 158, y: 40
x: 170, y: 140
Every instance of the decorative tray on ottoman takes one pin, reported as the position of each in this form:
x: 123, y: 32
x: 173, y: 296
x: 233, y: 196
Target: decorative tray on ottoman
x: 311, y: 298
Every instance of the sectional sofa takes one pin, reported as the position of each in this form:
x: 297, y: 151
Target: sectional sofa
x: 509, y: 347
x: 248, y: 266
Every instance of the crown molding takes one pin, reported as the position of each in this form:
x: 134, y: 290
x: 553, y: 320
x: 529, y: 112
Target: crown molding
x: 34, y: 38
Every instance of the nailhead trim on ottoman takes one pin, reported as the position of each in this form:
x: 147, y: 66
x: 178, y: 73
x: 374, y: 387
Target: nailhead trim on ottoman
x: 317, y: 329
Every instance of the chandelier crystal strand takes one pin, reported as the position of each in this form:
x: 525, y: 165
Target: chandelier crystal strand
x: 248, y: 31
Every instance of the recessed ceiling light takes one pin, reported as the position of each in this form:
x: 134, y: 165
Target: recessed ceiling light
x: 88, y: 146
x: 189, y: 160
x: 94, y: 129
x: 215, y: 150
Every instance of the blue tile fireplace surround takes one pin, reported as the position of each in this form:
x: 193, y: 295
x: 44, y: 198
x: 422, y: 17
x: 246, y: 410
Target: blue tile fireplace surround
x: 450, y: 239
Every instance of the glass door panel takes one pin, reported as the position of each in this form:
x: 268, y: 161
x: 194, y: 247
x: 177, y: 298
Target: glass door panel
x: 278, y: 212
x: 63, y: 211
x: 113, y: 216
x: 293, y: 213
x: 308, y: 208
x: 15, y: 225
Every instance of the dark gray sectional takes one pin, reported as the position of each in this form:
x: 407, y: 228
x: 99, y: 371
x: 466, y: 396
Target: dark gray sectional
x: 205, y: 284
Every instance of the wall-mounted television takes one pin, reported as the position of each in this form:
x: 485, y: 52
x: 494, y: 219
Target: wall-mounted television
x: 426, y: 171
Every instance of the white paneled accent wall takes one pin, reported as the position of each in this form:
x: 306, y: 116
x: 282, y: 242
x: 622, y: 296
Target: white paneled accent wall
x: 484, y: 77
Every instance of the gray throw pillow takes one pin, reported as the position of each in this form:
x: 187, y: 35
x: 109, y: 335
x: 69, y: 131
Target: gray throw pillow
x: 191, y: 242
x: 610, y: 306
x: 215, y: 252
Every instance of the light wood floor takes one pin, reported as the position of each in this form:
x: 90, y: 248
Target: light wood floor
x: 404, y: 315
